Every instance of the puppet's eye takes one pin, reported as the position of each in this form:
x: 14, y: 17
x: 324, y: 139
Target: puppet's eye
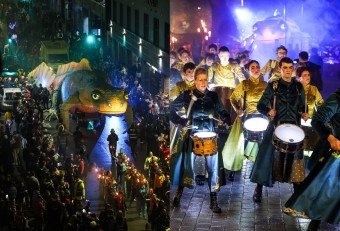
x: 95, y: 95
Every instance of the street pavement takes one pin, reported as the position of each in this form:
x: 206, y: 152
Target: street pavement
x: 239, y: 212
x: 100, y: 157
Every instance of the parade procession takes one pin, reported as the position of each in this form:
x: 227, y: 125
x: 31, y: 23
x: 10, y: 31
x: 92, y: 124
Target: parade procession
x: 181, y: 115
x: 253, y: 126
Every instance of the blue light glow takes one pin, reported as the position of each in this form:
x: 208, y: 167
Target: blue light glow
x: 100, y: 152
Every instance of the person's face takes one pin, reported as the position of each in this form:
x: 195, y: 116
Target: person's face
x: 189, y: 75
x: 209, y: 62
x: 224, y: 57
x: 212, y: 50
x: 254, y: 70
x: 287, y: 71
x: 201, y: 82
x: 281, y: 53
x: 185, y: 57
x: 305, y: 78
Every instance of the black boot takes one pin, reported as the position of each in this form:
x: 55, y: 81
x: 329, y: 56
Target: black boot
x: 177, y: 198
x: 314, y: 225
x: 257, y: 197
x: 231, y: 176
x: 213, y: 203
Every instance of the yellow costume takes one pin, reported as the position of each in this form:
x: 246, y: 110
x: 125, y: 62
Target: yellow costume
x: 273, y: 70
x: 233, y: 152
x: 158, y: 181
x: 254, y: 88
x: 180, y: 87
x: 272, y: 67
x: 178, y: 65
x: 201, y: 64
x: 314, y: 98
x: 225, y: 79
x: 224, y: 76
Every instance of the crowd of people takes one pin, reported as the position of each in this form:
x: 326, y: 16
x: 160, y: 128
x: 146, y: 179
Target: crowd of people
x: 43, y: 175
x: 149, y: 187
x: 260, y: 110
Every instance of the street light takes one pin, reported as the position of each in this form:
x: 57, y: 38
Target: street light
x: 90, y: 39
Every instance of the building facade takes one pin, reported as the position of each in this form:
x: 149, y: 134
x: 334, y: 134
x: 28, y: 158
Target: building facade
x: 133, y: 32
x: 139, y: 33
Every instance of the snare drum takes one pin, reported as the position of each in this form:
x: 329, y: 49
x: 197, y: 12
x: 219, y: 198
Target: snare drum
x: 288, y: 138
x: 254, y: 128
x: 205, y: 143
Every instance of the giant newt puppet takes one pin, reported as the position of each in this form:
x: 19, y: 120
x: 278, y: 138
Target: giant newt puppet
x: 77, y: 87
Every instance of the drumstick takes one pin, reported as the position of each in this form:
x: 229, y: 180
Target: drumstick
x: 193, y: 99
x: 212, y: 117
x: 306, y: 104
x: 274, y: 102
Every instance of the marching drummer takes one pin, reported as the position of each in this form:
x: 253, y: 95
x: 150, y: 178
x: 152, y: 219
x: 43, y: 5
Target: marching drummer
x: 244, y: 101
x: 314, y: 100
x: 188, y: 83
x: 284, y: 102
x: 224, y: 77
x: 200, y: 105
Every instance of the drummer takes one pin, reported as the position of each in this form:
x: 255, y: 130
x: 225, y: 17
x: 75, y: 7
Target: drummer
x: 189, y: 84
x: 314, y: 100
x: 284, y: 102
x: 248, y: 92
x: 204, y: 104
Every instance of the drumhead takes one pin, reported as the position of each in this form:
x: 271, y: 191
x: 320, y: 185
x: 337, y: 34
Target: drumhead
x: 308, y: 123
x: 289, y: 133
x: 205, y: 134
x: 256, y: 124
